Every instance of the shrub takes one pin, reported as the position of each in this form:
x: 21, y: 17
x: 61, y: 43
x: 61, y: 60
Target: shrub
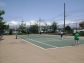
x: 81, y: 33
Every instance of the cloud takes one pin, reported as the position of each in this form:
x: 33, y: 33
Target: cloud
x: 32, y: 22
x: 66, y: 22
x: 13, y: 23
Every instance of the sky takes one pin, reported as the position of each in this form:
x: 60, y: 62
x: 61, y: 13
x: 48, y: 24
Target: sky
x: 47, y: 10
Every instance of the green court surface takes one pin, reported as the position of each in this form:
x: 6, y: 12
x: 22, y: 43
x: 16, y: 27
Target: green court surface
x: 50, y: 41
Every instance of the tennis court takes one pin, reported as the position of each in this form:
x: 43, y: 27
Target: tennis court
x: 50, y: 41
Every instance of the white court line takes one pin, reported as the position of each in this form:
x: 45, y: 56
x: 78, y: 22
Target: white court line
x: 49, y: 45
x: 59, y: 37
x: 33, y: 44
x: 42, y: 43
x: 52, y: 38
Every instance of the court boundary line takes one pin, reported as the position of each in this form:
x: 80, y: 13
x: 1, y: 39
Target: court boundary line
x: 33, y: 44
x: 42, y: 47
x: 43, y: 43
x: 55, y: 36
x: 39, y: 46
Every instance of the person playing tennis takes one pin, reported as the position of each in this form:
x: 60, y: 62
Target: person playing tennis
x: 61, y: 34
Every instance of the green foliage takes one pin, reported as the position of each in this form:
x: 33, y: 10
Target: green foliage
x: 54, y: 26
x: 44, y: 29
x: 10, y: 31
x: 2, y: 12
x: 7, y: 27
x: 22, y: 29
x: 82, y: 24
x: 33, y: 29
x: 81, y: 33
x: 68, y: 29
x: 2, y: 24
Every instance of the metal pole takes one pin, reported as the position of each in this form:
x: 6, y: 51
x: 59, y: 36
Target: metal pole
x: 39, y: 26
x: 30, y: 28
x: 16, y: 32
x: 76, y: 26
x: 64, y: 17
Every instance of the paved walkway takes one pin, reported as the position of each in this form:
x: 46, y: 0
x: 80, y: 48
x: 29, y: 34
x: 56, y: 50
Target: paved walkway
x: 17, y: 51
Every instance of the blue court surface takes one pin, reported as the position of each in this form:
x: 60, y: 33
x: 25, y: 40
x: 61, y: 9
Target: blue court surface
x: 50, y: 41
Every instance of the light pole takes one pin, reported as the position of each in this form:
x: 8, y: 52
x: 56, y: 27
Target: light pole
x: 76, y: 25
x: 39, y: 26
x: 64, y: 17
x: 16, y: 29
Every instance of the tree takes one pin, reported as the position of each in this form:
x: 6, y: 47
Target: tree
x: 44, y: 29
x: 2, y: 12
x: 2, y: 24
x: 10, y: 31
x: 82, y: 24
x: 34, y: 28
x: 68, y: 29
x: 54, y: 26
x: 22, y: 28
